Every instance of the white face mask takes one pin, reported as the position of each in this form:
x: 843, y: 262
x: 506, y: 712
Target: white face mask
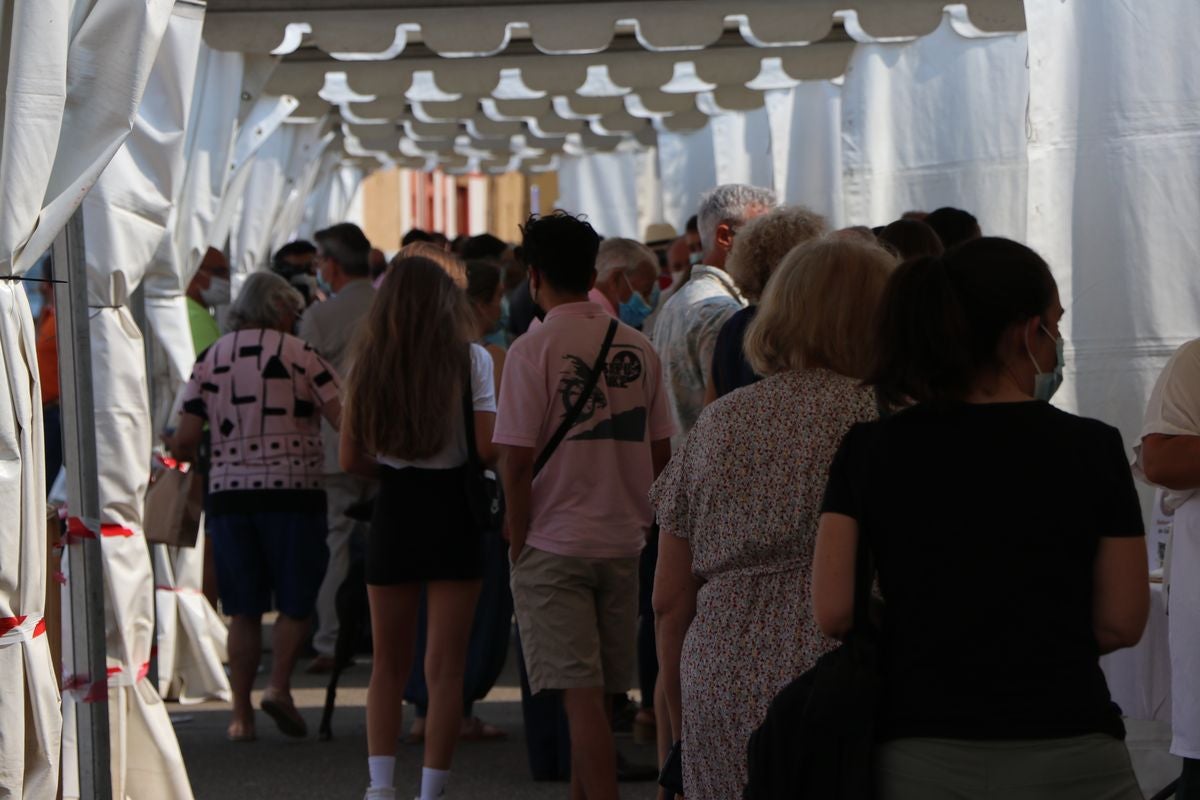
x: 218, y: 292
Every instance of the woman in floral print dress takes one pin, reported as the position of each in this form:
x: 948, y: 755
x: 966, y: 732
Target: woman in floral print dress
x: 738, y: 507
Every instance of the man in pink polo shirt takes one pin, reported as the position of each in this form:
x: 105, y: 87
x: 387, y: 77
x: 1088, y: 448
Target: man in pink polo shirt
x: 578, y: 526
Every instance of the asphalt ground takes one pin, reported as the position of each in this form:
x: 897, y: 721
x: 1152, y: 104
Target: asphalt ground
x: 275, y: 766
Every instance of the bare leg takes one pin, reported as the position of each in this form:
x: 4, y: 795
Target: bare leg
x: 245, y: 651
x: 394, y: 632
x: 662, y: 721
x: 593, y: 752
x: 286, y: 642
x: 451, y: 611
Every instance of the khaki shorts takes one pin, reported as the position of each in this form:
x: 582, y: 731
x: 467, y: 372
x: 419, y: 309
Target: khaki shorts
x: 578, y: 620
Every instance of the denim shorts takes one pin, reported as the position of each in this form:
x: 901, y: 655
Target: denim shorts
x: 269, y: 555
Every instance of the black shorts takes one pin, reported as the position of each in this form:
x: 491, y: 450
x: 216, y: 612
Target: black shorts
x: 422, y: 529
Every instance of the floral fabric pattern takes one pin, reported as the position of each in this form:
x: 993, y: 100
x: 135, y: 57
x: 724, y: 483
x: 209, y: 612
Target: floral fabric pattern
x: 746, y: 492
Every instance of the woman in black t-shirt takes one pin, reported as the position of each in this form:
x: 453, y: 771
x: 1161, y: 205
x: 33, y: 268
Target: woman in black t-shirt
x: 1007, y: 537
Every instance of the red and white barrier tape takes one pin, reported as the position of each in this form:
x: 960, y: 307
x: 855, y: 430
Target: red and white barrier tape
x: 25, y: 628
x: 77, y: 530
x: 88, y: 691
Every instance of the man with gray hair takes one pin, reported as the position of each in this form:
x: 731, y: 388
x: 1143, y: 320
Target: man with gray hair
x: 687, y: 327
x: 626, y: 281
x: 343, y: 266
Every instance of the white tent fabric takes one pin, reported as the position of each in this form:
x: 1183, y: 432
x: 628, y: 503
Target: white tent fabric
x: 303, y: 170
x: 191, y: 635
x: 602, y: 186
x: 806, y: 137
x: 937, y: 121
x: 125, y: 221
x: 265, y: 191
x: 62, y: 124
x: 1114, y: 153
x: 335, y: 187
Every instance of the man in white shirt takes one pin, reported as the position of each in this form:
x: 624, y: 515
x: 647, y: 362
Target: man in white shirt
x: 1168, y: 456
x: 687, y: 327
x: 342, y: 262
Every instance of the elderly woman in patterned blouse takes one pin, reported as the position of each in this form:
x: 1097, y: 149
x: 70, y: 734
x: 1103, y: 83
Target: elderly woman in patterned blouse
x: 263, y: 392
x: 738, y: 507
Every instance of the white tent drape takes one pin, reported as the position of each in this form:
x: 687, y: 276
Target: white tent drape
x: 125, y: 220
x: 74, y: 72
x: 602, y: 186
x: 303, y: 170
x: 937, y: 121
x: 1114, y: 155
x: 806, y: 139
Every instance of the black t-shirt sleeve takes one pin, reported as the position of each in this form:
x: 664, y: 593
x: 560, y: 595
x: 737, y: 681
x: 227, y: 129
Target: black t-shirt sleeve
x: 844, y: 489
x: 1118, y: 510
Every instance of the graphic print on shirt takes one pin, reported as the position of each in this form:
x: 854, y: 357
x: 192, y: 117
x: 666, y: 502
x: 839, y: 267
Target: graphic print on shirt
x: 623, y: 371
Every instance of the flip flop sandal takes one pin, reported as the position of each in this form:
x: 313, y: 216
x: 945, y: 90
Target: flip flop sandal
x: 479, y: 731
x: 286, y: 717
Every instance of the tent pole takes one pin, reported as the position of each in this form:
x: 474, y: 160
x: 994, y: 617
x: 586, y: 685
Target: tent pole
x: 86, y: 582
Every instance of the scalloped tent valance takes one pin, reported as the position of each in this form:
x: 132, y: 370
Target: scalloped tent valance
x: 414, y: 84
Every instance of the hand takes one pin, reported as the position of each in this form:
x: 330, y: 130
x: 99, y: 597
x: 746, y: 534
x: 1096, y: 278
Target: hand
x: 514, y: 552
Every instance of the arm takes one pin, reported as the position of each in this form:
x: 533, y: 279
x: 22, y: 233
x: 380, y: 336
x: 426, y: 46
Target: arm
x: 1172, y: 462
x: 833, y: 574
x: 187, y: 437
x: 1121, y: 599
x: 516, y: 474
x: 498, y: 355
x: 485, y: 425
x: 675, y: 589
x: 660, y: 454
x: 332, y: 411
x: 351, y: 457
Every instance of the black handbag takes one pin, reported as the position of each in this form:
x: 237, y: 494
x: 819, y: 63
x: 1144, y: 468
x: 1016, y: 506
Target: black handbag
x: 818, y: 736
x: 484, y: 495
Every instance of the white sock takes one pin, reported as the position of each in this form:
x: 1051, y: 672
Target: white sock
x: 383, y: 771
x: 433, y: 782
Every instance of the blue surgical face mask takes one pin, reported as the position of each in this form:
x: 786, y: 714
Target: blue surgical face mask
x: 633, y: 312
x: 323, y: 285
x: 1045, y: 384
x: 695, y: 258
x: 655, y: 296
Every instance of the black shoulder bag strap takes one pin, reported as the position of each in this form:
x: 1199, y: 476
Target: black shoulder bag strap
x: 577, y: 409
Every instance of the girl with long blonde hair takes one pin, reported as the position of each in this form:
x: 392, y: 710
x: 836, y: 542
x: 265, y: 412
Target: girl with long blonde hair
x: 405, y: 422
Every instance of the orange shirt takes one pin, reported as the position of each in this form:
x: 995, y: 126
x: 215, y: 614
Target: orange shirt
x: 47, y: 355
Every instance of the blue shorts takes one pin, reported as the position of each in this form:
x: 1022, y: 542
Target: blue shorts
x: 270, y: 553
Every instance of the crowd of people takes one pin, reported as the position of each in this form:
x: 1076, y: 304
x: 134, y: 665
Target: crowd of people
x: 691, y: 439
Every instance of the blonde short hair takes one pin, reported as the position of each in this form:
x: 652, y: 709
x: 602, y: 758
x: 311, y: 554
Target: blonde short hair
x: 818, y: 309
x: 761, y: 244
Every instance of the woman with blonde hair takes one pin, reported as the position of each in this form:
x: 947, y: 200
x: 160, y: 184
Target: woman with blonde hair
x: 738, y: 508
x: 421, y: 394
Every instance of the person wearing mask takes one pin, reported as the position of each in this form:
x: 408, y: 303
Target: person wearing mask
x: 208, y: 289
x: 738, y: 508
x: 685, y: 333
x: 626, y: 281
x: 577, y: 527
x: 1005, y: 535
x: 329, y: 327
x: 1168, y: 456
x: 412, y: 419
x: 263, y: 392
x: 492, y: 627
x: 295, y: 262
x: 757, y: 251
